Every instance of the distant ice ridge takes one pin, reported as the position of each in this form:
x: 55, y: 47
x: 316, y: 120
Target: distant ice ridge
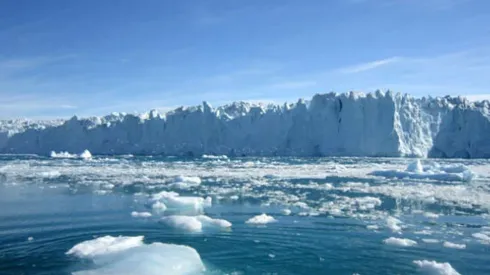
x: 433, y: 171
x: 129, y: 255
x: 349, y: 124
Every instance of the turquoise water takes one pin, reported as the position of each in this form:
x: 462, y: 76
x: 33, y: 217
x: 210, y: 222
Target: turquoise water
x: 338, y: 224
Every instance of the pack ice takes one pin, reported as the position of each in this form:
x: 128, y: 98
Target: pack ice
x: 349, y: 124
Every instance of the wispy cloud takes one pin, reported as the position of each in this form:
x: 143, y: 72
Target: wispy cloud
x: 28, y: 63
x: 369, y: 65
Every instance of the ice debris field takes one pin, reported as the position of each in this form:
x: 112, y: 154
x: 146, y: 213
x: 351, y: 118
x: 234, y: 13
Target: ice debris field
x: 254, y: 215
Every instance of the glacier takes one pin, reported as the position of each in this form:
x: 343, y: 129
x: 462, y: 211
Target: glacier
x: 349, y: 124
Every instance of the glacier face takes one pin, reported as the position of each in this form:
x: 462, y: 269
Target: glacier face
x: 349, y: 124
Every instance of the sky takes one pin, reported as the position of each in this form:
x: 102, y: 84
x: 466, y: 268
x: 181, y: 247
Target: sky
x: 60, y: 58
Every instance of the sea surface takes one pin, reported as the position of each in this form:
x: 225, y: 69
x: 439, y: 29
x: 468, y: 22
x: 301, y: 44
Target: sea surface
x: 327, y: 215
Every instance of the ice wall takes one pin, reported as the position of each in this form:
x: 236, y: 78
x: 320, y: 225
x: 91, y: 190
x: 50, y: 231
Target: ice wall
x: 349, y: 124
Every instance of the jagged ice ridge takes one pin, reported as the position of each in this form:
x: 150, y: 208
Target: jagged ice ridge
x: 349, y: 124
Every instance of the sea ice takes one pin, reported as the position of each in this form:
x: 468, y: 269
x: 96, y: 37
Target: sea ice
x: 261, y: 219
x: 399, y: 242
x: 129, y: 255
x: 435, y: 268
x: 429, y: 171
x: 195, y: 223
x: 65, y: 155
x: 286, y: 212
x: 184, y: 182
x: 135, y: 214
x: 430, y: 241
x: 182, y: 204
x: 104, y: 245
x: 454, y: 245
x: 393, y: 224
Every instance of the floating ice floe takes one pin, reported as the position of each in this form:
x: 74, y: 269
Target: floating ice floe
x: 435, y: 268
x: 286, y: 212
x: 430, y: 171
x: 129, y: 255
x: 261, y: 219
x: 454, y: 245
x: 181, y: 204
x: 195, y: 223
x: 482, y: 237
x: 399, y: 242
x: 431, y: 241
x: 65, y: 155
x: 183, y: 182
x: 135, y: 214
x: 222, y: 157
x: 393, y: 224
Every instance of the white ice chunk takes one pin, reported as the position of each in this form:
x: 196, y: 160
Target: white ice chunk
x: 129, y: 255
x: 372, y: 227
x: 261, y: 219
x: 286, y: 212
x: 158, y: 207
x: 104, y: 245
x: 195, y: 223
x: 135, y: 214
x: 65, y: 155
x: 454, y: 245
x: 182, y: 204
x: 481, y: 236
x: 399, y: 242
x: 393, y: 224
x: 184, y: 182
x: 86, y: 154
x: 435, y: 268
x: 430, y: 240
x: 185, y: 223
x: 222, y: 157
x: 431, y: 172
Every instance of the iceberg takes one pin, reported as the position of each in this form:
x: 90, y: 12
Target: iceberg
x: 129, y: 255
x: 348, y: 124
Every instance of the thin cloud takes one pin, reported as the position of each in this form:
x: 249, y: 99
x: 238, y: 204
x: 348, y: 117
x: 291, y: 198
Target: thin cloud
x: 369, y: 65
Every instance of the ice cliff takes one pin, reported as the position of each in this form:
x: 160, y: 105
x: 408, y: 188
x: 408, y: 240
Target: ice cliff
x: 349, y: 124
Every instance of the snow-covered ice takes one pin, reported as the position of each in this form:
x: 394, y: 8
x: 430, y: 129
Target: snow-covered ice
x: 65, y: 155
x: 195, y: 223
x: 399, y: 242
x: 435, y: 268
x: 393, y: 224
x: 104, y: 245
x: 261, y: 219
x: 135, y: 214
x: 454, y: 245
x: 171, y: 201
x: 129, y: 255
x: 432, y: 171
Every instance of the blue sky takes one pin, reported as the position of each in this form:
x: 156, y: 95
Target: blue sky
x: 59, y: 58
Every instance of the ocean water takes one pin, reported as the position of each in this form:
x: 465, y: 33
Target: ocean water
x: 331, y: 215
